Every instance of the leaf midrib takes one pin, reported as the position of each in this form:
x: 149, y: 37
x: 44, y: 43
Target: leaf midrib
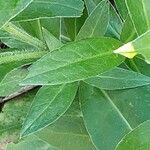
x: 116, y: 108
x: 79, y: 61
x: 103, y: 9
x: 55, y: 3
x: 45, y: 108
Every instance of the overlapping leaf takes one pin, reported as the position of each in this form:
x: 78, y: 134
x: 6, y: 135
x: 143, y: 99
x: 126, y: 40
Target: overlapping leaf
x: 11, y: 8
x: 140, y: 15
x: 112, y: 113
x: 10, y: 83
x: 140, y: 45
x: 121, y: 6
x: 97, y: 22
x: 51, y: 8
x: 137, y: 139
x: 75, y: 61
x: 69, y: 131
x: 119, y: 79
x: 12, y: 117
x: 20, y: 35
x: 50, y: 103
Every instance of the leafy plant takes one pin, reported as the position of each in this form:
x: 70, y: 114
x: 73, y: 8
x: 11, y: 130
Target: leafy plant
x: 78, y: 74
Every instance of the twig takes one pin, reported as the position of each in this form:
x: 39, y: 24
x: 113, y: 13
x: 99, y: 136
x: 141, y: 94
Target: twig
x: 18, y: 93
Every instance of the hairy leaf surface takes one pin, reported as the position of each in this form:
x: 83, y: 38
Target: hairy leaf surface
x: 50, y: 103
x: 75, y: 61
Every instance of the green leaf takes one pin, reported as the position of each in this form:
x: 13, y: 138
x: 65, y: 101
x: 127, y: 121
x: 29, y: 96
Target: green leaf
x: 128, y: 32
x: 119, y: 78
x: 121, y: 6
x: 140, y: 45
x: 75, y: 61
x: 33, y: 143
x: 12, y: 116
x: 96, y: 24
x: 52, y: 8
x: 112, y: 113
x: 73, y: 25
x: 68, y: 132
x: 11, y: 8
x: 33, y: 27
x: 50, y: 103
x: 53, y: 25
x: 90, y: 5
x: 5, y: 68
x: 10, y: 83
x: 143, y: 67
x: 23, y: 36
x: 51, y: 41
x: 140, y: 15
x: 108, y: 125
x: 137, y: 139
x: 115, y: 23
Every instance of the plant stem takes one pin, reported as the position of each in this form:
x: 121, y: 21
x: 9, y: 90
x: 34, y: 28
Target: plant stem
x: 23, y: 36
x: 14, y: 56
x: 16, y: 94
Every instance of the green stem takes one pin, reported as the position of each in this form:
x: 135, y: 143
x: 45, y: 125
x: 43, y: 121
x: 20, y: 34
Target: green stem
x: 23, y: 36
x: 14, y: 56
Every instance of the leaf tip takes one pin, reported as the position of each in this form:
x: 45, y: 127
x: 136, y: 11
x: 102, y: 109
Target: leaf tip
x: 126, y: 50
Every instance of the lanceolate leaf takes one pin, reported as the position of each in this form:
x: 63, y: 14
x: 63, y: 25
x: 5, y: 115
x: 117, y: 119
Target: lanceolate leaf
x: 103, y: 120
x: 119, y: 78
x: 11, y: 81
x: 141, y: 45
x: 128, y: 31
x: 52, y: 8
x: 112, y: 113
x: 7, y: 67
x: 50, y: 103
x: 68, y: 132
x: 12, y: 116
x: 51, y: 41
x: 140, y: 15
x: 90, y: 5
x: 10, y: 8
x: 137, y: 139
x: 96, y: 23
x: 115, y: 23
x: 75, y: 61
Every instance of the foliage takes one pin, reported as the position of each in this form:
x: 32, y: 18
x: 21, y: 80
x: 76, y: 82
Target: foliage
x: 75, y: 74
